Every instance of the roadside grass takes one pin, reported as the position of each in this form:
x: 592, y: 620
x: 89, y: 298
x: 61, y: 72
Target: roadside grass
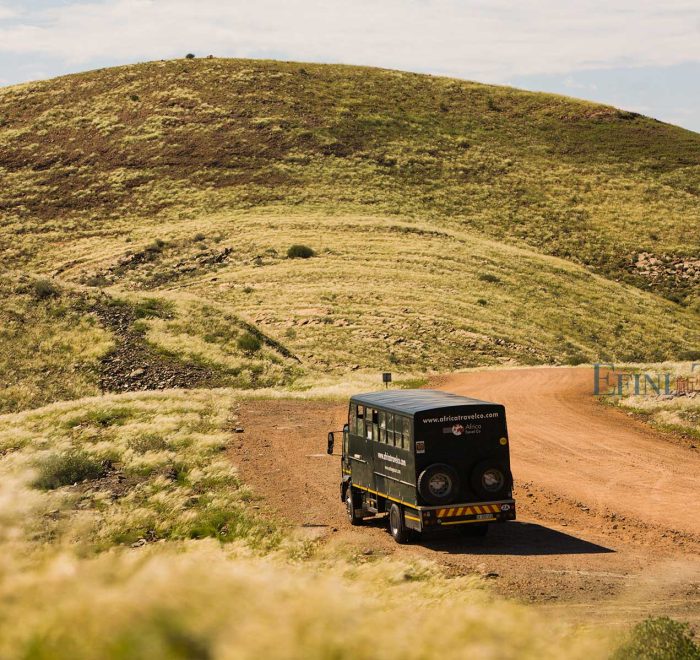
x: 119, y: 470
x: 202, y: 601
x: 159, y: 555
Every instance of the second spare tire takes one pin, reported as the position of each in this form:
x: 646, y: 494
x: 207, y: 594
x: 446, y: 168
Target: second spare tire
x: 491, y: 480
x: 438, y: 484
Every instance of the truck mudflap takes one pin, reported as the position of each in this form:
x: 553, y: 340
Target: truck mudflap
x: 462, y: 514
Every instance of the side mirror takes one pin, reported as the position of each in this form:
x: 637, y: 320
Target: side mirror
x: 331, y: 442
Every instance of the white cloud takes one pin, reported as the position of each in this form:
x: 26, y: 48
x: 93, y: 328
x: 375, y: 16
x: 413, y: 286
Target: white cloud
x: 485, y: 39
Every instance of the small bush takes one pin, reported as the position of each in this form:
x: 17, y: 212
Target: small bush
x: 45, y: 289
x: 152, y: 308
x: 190, y: 56
x: 156, y: 246
x: 300, y: 252
x: 199, y: 237
x: 96, y: 281
x: 659, y: 639
x: 248, y: 343
x: 483, y: 302
x: 134, y: 97
x: 488, y: 277
x: 66, y: 469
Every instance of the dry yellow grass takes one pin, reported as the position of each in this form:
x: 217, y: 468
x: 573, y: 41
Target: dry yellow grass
x: 70, y: 589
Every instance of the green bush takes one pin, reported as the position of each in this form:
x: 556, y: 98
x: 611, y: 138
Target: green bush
x: 45, y: 289
x: 249, y: 343
x: 659, y: 639
x: 300, y: 252
x: 152, y: 308
x: 66, y: 469
x: 488, y: 277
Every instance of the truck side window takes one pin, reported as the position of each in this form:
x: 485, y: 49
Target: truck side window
x: 382, y: 426
x: 406, y: 433
x: 369, y: 426
x: 390, y: 428
x: 398, y: 431
x: 352, y: 418
x: 360, y: 430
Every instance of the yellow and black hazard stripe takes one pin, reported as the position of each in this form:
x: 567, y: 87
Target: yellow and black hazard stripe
x: 457, y: 511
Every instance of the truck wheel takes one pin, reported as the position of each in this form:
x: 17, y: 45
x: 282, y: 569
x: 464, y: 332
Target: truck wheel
x: 491, y: 480
x: 474, y: 530
x: 438, y: 484
x: 350, y: 507
x: 397, y: 526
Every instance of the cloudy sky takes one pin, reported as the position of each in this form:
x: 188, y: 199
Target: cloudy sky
x: 637, y: 54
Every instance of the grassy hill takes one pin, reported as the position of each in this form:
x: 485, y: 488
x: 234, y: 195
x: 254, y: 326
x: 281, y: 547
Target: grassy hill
x: 454, y: 225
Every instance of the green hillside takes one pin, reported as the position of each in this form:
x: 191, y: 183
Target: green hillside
x: 454, y: 224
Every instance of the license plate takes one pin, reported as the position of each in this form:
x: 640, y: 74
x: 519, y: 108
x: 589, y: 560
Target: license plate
x: 484, y: 516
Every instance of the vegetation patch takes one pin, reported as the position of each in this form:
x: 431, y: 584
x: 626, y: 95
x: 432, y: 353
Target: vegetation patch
x: 134, y: 469
x: 300, y: 252
x: 659, y: 639
x: 58, y: 470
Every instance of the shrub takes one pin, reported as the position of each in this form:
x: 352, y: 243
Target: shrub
x: 45, y: 289
x: 300, y: 252
x: 103, y: 417
x: 152, y: 308
x: 199, y: 237
x: 190, y: 56
x: 156, y: 246
x: 483, y: 302
x: 488, y: 277
x: 659, y: 639
x: 66, y: 469
x: 249, y: 343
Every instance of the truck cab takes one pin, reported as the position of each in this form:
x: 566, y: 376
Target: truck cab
x: 431, y: 460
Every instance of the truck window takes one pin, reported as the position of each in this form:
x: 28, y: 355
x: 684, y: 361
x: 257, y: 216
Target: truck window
x: 360, y: 430
x: 368, y: 423
x: 390, y: 428
x: 372, y: 424
x: 407, y: 433
x: 352, y: 418
x: 382, y: 426
x: 398, y: 431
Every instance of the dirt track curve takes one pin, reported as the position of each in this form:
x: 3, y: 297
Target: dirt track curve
x: 608, y: 526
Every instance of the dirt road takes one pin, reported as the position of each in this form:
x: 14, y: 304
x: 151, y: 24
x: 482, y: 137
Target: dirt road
x: 608, y: 528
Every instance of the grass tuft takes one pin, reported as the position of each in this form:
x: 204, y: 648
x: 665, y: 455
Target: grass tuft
x: 58, y: 470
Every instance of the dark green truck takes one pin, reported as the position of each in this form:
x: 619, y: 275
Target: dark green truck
x: 431, y: 460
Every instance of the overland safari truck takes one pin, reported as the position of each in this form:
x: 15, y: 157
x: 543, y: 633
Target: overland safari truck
x: 430, y: 459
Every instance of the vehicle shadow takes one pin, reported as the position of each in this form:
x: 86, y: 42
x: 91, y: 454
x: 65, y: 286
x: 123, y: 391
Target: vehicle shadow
x: 513, y: 538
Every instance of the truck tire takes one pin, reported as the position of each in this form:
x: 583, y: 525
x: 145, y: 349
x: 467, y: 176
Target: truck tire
x: 350, y: 507
x: 491, y: 481
x: 397, y: 526
x: 438, y: 484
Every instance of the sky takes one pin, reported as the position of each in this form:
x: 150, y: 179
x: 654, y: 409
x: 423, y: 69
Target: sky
x: 635, y: 54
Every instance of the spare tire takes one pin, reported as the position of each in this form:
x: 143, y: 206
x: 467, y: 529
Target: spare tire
x: 438, y: 484
x: 491, y: 480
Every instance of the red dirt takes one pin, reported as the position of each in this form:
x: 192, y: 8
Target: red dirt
x: 607, y: 523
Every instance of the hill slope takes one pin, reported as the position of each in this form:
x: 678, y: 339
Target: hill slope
x: 456, y: 224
